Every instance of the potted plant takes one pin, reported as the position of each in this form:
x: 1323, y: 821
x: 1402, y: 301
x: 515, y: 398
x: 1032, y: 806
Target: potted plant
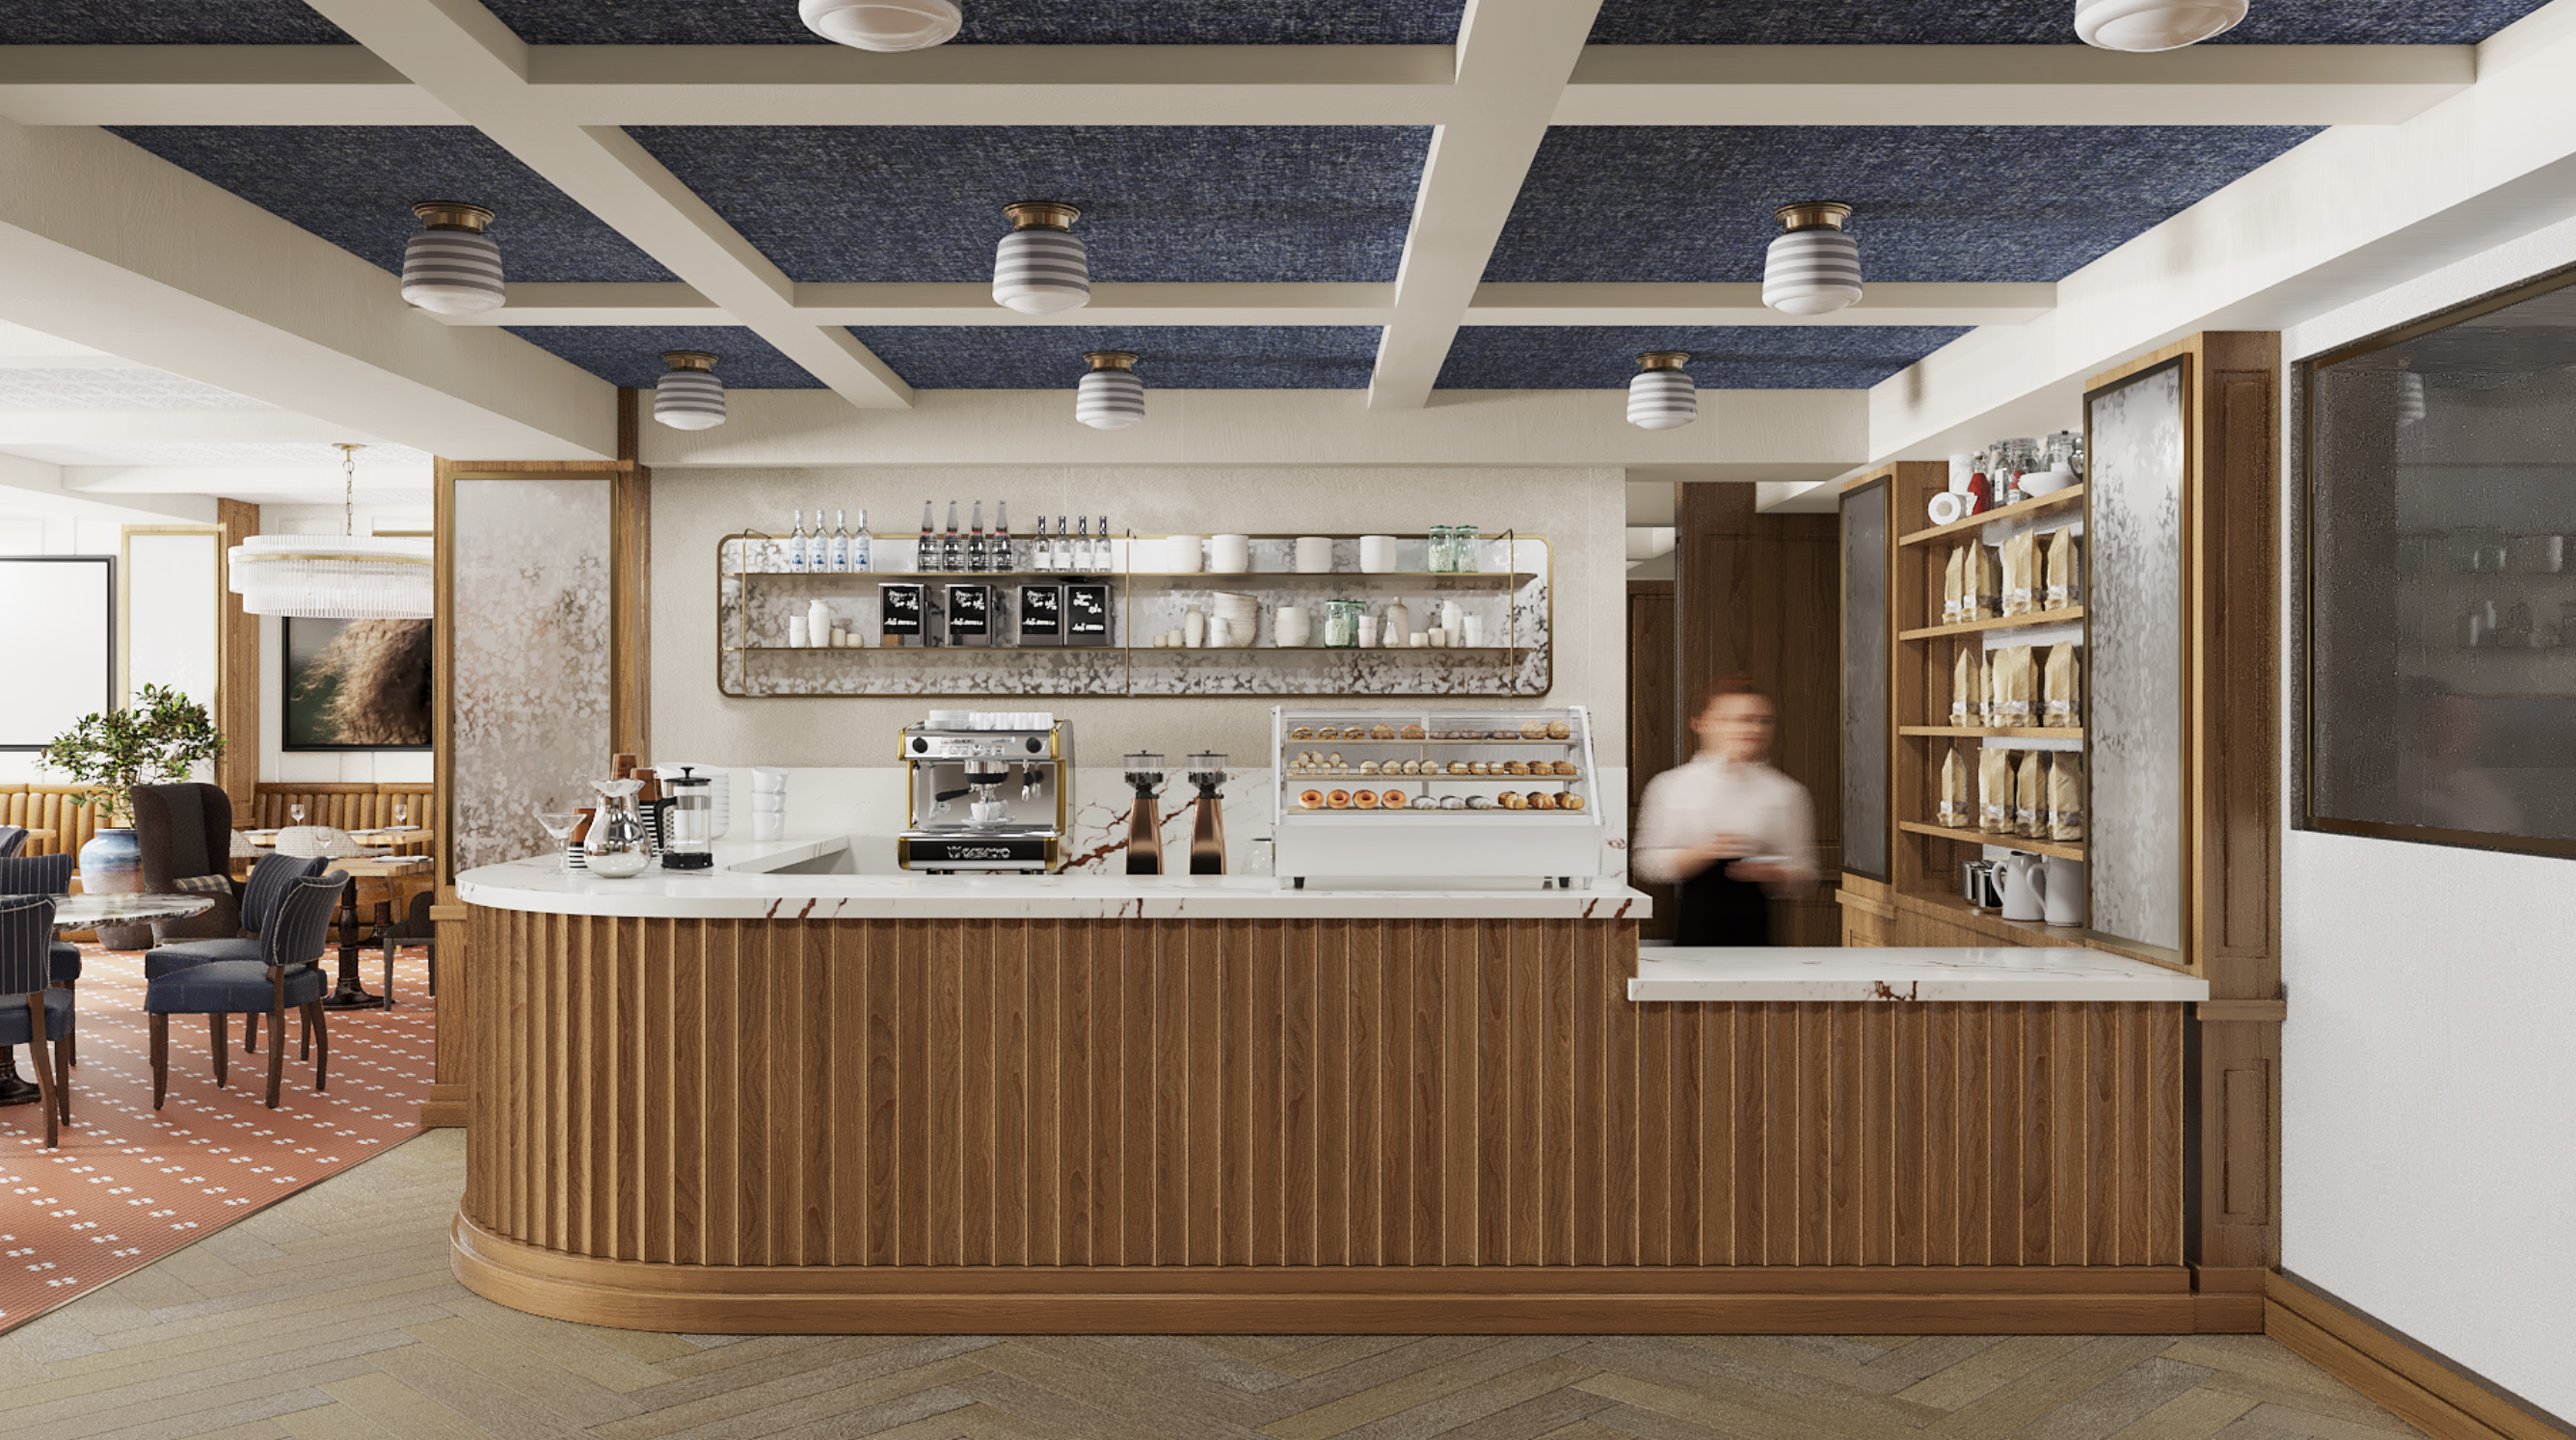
x: 159, y: 737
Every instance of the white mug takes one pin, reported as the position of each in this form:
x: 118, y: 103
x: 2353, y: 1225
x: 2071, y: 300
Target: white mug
x: 1230, y: 554
x: 1180, y: 555
x: 1377, y: 554
x: 1314, y: 555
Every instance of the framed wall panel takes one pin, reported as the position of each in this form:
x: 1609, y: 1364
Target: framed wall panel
x: 2138, y: 446
x: 61, y: 639
x: 1865, y: 679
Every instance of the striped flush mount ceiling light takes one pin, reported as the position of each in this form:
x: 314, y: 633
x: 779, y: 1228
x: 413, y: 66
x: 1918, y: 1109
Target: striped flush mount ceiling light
x: 2148, y: 25
x: 451, y: 267
x: 1039, y: 268
x: 1110, y: 397
x: 1661, y: 396
x: 884, y: 25
x: 1813, y: 268
x: 689, y: 396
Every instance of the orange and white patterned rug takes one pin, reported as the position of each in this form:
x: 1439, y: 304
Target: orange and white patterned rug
x: 130, y: 1185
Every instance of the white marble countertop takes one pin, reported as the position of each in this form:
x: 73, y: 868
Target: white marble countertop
x: 745, y: 886
x: 2006, y: 973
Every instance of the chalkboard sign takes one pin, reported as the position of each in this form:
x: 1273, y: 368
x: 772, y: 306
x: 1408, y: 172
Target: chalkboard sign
x: 1086, y: 614
x: 970, y: 614
x: 1041, y: 615
x: 899, y: 610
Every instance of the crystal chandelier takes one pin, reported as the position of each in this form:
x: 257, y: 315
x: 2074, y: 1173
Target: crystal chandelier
x: 348, y: 577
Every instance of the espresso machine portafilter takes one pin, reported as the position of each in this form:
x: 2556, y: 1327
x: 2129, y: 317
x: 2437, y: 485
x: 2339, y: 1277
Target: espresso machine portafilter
x: 1207, y: 834
x: 1144, y: 820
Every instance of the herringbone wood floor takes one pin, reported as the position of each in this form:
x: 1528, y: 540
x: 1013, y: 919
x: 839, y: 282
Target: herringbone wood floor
x: 333, y: 1314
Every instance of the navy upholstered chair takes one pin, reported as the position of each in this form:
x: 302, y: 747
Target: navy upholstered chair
x: 287, y: 974
x: 267, y: 885
x: 13, y: 838
x: 32, y: 1012
x: 47, y: 875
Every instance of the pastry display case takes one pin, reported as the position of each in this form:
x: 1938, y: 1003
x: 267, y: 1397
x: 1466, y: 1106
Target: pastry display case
x: 1418, y: 793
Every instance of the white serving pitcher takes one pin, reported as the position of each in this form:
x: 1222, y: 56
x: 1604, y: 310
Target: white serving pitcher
x: 2063, y: 898
x: 2025, y: 886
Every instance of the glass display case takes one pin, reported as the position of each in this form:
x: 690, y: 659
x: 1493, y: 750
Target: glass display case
x: 1436, y: 794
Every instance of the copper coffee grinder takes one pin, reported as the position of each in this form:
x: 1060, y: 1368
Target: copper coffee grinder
x: 1144, y: 820
x: 1207, y: 836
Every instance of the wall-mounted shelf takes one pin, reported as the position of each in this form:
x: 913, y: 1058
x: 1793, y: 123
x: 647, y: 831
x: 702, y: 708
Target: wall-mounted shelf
x: 2063, y: 850
x: 1509, y: 594
x: 2070, y: 498
x: 2067, y: 615
x: 1993, y: 732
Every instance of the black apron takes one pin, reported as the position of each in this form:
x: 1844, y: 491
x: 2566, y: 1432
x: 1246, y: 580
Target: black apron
x: 1714, y: 908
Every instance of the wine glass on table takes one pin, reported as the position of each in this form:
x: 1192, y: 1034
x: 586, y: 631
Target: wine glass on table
x: 402, y: 814
x: 295, y: 814
x: 558, y: 825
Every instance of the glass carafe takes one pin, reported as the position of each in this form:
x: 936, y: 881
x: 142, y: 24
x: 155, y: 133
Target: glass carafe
x: 615, y: 846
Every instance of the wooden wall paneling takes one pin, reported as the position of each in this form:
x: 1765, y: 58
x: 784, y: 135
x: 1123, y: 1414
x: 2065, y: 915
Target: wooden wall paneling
x: 630, y: 555
x: 1657, y: 738
x: 237, y: 690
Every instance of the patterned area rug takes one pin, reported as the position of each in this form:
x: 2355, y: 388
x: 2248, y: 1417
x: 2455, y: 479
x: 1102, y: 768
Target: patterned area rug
x: 130, y: 1185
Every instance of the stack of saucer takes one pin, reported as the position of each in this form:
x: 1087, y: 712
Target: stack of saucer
x: 1241, y: 614
x: 768, y: 803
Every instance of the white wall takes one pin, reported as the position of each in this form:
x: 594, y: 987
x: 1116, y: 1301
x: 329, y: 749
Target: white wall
x: 2428, y: 1077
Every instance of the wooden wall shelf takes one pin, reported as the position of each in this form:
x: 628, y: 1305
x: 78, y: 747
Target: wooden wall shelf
x: 2066, y: 615
x: 2059, y: 848
x: 2002, y: 732
x: 2070, y: 498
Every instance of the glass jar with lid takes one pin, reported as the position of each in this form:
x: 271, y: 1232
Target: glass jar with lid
x: 1438, y: 555
x: 1463, y: 550
x: 1342, y: 624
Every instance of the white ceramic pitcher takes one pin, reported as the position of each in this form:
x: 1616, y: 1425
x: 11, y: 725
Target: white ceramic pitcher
x: 2025, y: 880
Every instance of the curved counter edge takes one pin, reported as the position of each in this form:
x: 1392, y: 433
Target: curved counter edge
x: 1903, y: 975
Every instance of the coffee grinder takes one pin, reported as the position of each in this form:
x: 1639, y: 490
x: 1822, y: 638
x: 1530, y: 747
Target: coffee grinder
x: 1207, y: 835
x: 1144, y: 821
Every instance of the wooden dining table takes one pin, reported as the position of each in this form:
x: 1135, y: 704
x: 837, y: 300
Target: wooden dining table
x: 350, y: 993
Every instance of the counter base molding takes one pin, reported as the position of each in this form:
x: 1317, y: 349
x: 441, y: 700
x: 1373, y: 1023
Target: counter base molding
x: 1333, y: 1300
x: 1065, y: 1115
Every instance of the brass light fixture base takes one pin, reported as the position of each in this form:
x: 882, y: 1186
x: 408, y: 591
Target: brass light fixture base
x: 1110, y: 359
x: 452, y: 215
x: 688, y: 359
x: 1663, y: 359
x: 1041, y: 215
x: 1809, y: 214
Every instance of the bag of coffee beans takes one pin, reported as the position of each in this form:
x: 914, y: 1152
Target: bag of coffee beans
x: 2030, y: 796
x: 2064, y: 583
x: 1995, y: 790
x: 2061, y: 688
x: 1955, y: 811
x: 1968, y: 686
x: 2066, y: 797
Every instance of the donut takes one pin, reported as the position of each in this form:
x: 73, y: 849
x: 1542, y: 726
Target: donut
x: 1393, y: 800
x: 1339, y: 800
x: 1310, y: 799
x: 1364, y: 800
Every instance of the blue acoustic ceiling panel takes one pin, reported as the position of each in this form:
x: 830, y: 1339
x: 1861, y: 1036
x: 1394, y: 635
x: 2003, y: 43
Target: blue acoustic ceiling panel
x: 1960, y: 202
x: 1723, y: 357
x: 354, y: 186
x: 924, y: 203
x: 1004, y: 22
x: 631, y: 355
x: 2033, y: 22
x: 165, y: 22
x: 1171, y: 357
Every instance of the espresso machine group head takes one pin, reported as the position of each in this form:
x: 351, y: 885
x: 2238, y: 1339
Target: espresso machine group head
x: 1207, y: 833
x: 1144, y: 820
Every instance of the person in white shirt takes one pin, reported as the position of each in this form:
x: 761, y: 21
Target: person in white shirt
x: 1727, y: 830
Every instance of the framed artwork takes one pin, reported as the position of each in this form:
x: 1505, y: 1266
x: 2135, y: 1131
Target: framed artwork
x: 355, y: 684
x: 61, y: 632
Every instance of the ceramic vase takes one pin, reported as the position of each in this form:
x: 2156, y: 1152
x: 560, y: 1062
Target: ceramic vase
x: 111, y: 863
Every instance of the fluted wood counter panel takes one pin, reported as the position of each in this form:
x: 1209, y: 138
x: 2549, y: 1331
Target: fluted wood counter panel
x: 1279, y: 1093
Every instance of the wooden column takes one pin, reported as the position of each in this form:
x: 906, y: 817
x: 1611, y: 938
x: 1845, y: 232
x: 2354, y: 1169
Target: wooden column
x: 630, y: 710
x: 237, y: 694
x: 1761, y: 596
x: 1655, y: 733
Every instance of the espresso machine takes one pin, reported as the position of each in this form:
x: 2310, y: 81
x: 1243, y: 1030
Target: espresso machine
x: 988, y: 792
x: 1207, y: 834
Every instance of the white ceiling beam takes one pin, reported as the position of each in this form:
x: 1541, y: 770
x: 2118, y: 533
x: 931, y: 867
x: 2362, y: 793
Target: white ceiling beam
x: 1513, y: 60
x: 305, y: 484
x: 1249, y: 85
x: 116, y: 250
x: 461, y: 53
x: 33, y: 487
x: 1327, y: 303
x: 170, y: 427
x: 2011, y: 85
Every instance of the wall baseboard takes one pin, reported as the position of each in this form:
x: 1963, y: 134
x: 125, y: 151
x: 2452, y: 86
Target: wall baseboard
x: 2419, y: 1386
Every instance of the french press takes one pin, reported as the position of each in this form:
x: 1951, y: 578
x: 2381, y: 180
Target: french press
x: 688, y: 828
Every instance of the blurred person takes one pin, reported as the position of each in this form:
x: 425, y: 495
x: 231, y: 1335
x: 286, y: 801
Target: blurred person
x: 1727, y: 830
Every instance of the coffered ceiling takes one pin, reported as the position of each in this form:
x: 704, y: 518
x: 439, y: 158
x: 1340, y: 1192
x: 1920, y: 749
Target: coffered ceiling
x: 1401, y: 198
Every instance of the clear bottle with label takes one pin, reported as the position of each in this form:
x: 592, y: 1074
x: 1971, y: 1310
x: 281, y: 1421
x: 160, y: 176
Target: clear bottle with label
x: 1063, y: 547
x: 840, y: 542
x: 796, y: 543
x: 1100, y: 547
x: 952, y: 546
x: 998, y: 550
x: 926, y: 557
x: 1041, y: 556
x: 859, y: 545
x: 976, y: 559
x: 1082, y: 544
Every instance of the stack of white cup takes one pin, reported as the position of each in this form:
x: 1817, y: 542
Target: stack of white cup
x: 768, y: 803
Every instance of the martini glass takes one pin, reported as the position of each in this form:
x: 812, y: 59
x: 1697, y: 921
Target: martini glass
x: 558, y: 824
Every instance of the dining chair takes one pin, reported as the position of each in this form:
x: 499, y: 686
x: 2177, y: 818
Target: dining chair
x: 186, y: 833
x: 32, y: 1012
x: 257, y: 909
x: 415, y: 928
x: 287, y: 973
x: 47, y: 875
x: 13, y: 838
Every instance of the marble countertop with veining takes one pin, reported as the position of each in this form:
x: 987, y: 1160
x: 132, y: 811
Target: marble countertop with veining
x: 1817, y: 973
x: 746, y: 885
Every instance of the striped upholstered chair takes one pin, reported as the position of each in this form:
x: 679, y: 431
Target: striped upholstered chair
x: 269, y: 882
x: 288, y: 974
x: 13, y: 838
x: 47, y: 875
x: 32, y: 1012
